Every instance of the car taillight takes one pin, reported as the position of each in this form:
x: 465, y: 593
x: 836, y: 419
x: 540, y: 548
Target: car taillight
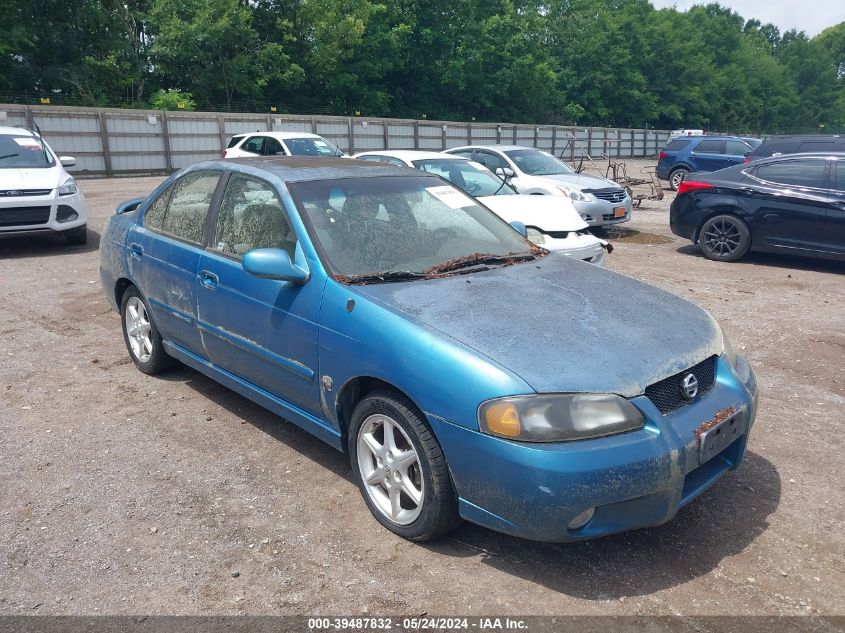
x: 662, y: 155
x: 223, y: 155
x: 687, y: 186
x: 746, y: 160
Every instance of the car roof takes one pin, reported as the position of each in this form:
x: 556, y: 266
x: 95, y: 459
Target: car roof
x: 20, y: 131
x: 782, y: 157
x: 499, y: 147
x: 301, y: 169
x: 410, y: 154
x: 711, y: 137
x: 278, y: 135
x: 805, y: 137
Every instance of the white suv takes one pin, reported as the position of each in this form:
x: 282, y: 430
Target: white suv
x: 280, y: 144
x: 37, y: 195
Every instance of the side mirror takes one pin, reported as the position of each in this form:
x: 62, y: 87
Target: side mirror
x: 505, y: 173
x: 274, y: 263
x: 127, y: 206
x: 67, y: 161
x: 519, y: 227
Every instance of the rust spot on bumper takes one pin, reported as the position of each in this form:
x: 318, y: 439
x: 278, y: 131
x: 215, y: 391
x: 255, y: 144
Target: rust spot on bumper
x: 717, y: 419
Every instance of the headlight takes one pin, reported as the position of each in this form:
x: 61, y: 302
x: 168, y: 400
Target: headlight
x: 558, y: 417
x: 535, y: 236
x: 68, y: 188
x: 739, y: 363
x: 578, y: 196
x: 563, y: 190
x: 729, y: 352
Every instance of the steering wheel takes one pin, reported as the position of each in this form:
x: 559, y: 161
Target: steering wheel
x: 472, y: 188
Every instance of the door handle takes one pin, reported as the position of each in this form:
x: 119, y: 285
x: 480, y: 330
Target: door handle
x: 749, y: 191
x: 209, y: 279
x: 838, y: 204
x: 136, y: 250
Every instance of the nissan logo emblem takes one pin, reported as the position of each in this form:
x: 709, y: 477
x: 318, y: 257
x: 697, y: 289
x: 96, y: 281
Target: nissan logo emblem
x: 689, y: 386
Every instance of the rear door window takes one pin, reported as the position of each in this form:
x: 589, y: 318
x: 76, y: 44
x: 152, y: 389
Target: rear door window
x: 820, y: 146
x: 253, y: 144
x: 190, y: 201
x: 798, y: 173
x: 272, y: 147
x: 710, y: 147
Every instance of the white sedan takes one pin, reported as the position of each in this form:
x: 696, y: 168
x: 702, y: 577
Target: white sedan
x: 280, y: 144
x: 552, y: 221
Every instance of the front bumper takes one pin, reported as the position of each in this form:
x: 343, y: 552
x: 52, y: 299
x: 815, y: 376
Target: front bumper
x: 31, y: 215
x: 584, y: 247
x: 600, y: 212
x: 633, y: 480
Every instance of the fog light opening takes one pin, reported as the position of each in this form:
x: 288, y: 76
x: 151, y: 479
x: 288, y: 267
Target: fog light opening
x: 582, y: 519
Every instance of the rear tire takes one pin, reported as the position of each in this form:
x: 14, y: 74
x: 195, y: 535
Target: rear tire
x: 676, y: 177
x: 724, y: 238
x: 400, y: 468
x: 141, y: 335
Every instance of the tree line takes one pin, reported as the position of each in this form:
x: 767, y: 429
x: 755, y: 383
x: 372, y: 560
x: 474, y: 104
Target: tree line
x: 591, y: 62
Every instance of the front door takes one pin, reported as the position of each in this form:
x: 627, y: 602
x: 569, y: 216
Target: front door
x: 262, y: 330
x: 836, y: 210
x: 164, y: 252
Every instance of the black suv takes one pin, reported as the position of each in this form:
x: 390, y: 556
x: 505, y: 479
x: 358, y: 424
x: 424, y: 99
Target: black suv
x: 777, y: 145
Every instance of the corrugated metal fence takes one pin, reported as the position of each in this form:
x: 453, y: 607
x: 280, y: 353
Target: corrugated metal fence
x: 109, y: 141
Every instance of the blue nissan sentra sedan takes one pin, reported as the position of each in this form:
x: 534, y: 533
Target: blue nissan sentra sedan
x: 467, y: 373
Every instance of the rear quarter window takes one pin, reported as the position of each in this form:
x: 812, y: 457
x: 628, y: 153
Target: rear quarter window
x: 677, y: 145
x: 234, y: 141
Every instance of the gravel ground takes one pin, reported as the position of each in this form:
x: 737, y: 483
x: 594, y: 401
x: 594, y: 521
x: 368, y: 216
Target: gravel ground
x: 125, y: 494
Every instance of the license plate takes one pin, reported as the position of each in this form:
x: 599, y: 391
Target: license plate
x: 715, y: 439
x: 619, y: 212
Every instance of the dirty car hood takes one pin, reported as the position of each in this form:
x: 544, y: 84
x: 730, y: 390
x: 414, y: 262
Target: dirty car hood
x: 23, y: 178
x: 566, y: 326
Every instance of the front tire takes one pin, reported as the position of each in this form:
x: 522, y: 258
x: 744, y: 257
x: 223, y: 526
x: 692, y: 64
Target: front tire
x: 77, y: 237
x: 141, y: 335
x: 676, y: 177
x: 724, y: 238
x: 400, y: 468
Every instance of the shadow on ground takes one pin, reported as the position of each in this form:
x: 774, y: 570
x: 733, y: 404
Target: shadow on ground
x: 721, y: 523
x: 774, y: 260
x: 21, y: 247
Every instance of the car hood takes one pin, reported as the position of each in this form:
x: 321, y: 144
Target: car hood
x: 562, y: 325
x: 582, y: 181
x: 549, y: 213
x: 38, y: 178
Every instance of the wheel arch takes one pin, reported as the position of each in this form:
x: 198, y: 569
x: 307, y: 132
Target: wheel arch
x: 735, y: 211
x: 120, y: 287
x: 356, y: 389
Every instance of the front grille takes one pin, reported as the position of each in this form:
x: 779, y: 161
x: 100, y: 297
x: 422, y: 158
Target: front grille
x: 20, y: 193
x: 666, y: 394
x: 610, y: 195
x: 24, y: 216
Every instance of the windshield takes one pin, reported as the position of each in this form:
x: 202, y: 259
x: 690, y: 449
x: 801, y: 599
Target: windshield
x: 409, y: 224
x: 17, y: 151
x: 537, y: 163
x: 472, y: 177
x: 312, y: 147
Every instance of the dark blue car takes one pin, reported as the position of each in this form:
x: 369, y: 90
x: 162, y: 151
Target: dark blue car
x: 689, y: 154
x: 466, y: 372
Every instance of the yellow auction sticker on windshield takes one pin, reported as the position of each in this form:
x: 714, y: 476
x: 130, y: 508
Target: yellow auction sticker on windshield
x: 451, y: 197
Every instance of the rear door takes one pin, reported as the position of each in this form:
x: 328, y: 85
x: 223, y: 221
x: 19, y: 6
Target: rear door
x: 262, y: 330
x: 253, y: 145
x: 836, y: 211
x: 164, y: 252
x: 273, y: 147
x: 708, y: 155
x: 791, y: 199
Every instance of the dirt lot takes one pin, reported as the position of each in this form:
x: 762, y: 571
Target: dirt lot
x: 123, y: 493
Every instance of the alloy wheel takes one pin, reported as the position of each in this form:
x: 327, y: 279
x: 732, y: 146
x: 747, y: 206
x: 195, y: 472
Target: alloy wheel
x: 138, y: 329
x: 722, y: 238
x: 390, y: 469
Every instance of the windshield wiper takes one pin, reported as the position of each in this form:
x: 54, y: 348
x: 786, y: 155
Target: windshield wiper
x: 478, y: 259
x: 9, y: 155
x: 385, y: 277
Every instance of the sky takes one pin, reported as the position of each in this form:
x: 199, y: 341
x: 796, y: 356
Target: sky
x: 811, y: 16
